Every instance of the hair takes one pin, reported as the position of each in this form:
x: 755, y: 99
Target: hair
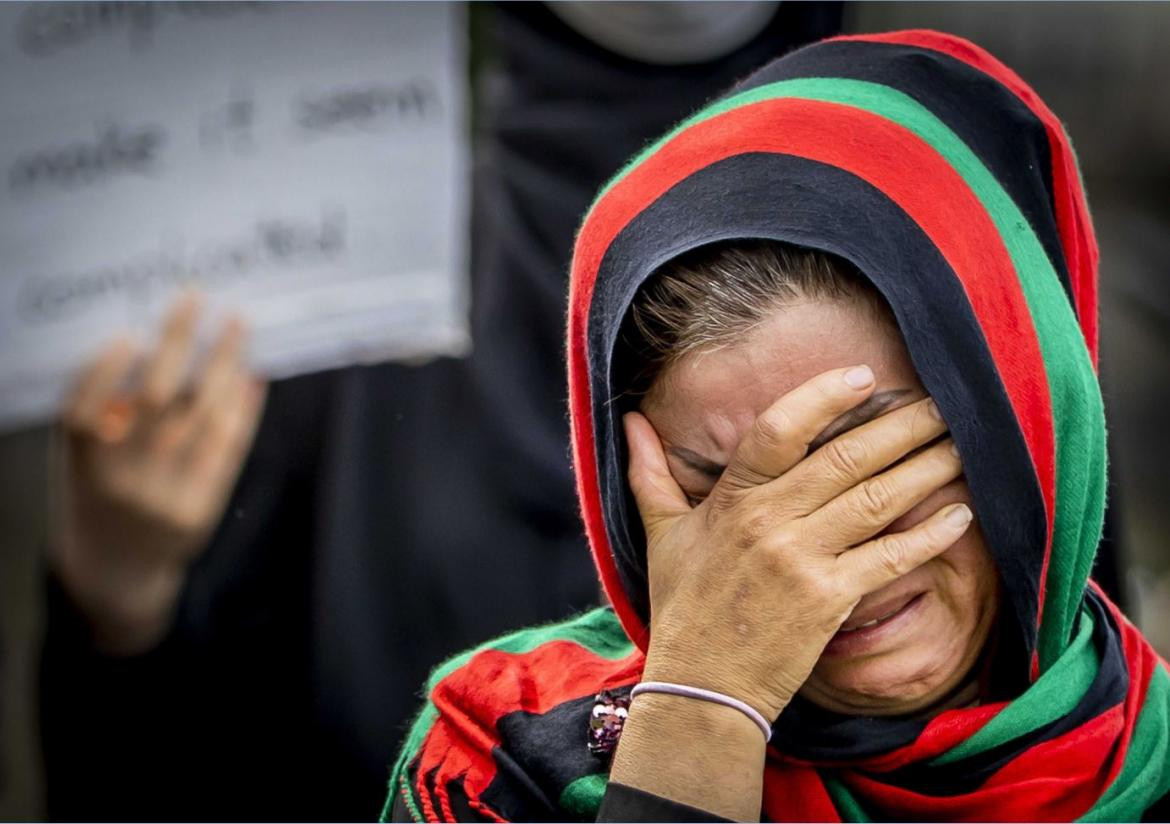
x: 713, y: 295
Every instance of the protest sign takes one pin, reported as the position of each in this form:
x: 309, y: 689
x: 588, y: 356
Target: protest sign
x: 304, y: 164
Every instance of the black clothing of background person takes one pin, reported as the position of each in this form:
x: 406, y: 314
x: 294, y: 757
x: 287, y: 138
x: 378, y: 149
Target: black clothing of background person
x: 387, y: 516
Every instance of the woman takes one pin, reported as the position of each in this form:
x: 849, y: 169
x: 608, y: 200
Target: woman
x: 840, y: 452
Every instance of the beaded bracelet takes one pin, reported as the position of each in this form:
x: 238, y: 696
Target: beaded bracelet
x: 705, y: 695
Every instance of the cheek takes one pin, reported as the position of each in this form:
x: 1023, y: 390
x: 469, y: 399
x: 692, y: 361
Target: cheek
x: 964, y: 577
x: 965, y: 581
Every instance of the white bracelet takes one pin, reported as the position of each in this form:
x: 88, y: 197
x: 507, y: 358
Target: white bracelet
x: 705, y: 695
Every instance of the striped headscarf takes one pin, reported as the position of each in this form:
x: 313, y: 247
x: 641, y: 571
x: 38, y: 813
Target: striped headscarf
x: 940, y: 175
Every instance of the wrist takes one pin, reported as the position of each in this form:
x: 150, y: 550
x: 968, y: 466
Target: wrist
x: 709, y: 696
x: 722, y: 678
x: 128, y: 605
x: 705, y: 755
x: 698, y: 719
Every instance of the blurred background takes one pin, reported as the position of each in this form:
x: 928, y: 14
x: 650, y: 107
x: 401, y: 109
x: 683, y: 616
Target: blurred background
x: 386, y: 515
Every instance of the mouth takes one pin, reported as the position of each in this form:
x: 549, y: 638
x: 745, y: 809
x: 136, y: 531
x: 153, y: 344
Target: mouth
x: 860, y: 633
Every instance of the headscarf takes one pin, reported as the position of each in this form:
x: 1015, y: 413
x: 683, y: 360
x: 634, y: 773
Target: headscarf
x: 940, y: 175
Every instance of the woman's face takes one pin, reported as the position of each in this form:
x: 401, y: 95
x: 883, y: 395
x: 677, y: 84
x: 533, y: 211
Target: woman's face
x: 705, y: 403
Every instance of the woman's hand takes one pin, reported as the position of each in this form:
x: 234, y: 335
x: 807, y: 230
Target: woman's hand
x: 748, y: 587
x: 145, y: 475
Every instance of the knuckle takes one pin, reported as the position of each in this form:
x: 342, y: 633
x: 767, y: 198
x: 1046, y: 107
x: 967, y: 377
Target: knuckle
x: 814, y: 589
x: 772, y: 563
x: 845, y: 456
x: 830, y: 595
x: 774, y: 427
x: 784, y: 542
x: 893, y: 554
x: 751, y: 528
x: 875, y: 498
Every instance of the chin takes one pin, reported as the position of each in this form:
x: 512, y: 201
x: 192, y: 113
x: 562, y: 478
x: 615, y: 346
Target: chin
x: 899, y: 683
x: 903, y: 671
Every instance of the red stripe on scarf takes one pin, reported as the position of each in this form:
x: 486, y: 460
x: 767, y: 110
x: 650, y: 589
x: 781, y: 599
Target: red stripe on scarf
x: 889, y: 157
x: 796, y: 794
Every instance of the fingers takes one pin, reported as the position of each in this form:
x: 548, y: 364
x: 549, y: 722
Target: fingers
x: 780, y: 436
x: 874, y: 504
x: 99, y: 386
x: 658, y: 495
x: 850, y: 458
x: 221, y: 388
x: 874, y: 564
x: 222, y: 368
x: 227, y: 434
x: 168, y: 364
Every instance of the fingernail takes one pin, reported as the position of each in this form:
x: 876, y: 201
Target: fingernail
x: 859, y: 377
x: 959, y: 516
x: 954, y: 449
x: 932, y: 408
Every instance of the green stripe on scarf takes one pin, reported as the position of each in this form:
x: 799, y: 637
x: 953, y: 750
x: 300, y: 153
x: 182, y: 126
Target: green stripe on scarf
x: 846, y: 805
x: 1145, y: 776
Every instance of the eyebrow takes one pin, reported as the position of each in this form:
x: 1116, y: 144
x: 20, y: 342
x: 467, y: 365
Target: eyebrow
x: 873, y: 406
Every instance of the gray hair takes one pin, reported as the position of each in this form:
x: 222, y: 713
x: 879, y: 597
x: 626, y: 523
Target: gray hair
x: 713, y: 295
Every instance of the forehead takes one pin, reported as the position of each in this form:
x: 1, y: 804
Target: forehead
x: 707, y: 400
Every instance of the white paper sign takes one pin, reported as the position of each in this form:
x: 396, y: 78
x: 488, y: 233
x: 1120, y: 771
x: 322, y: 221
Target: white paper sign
x: 303, y: 163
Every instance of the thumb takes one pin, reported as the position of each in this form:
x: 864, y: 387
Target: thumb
x: 659, y: 498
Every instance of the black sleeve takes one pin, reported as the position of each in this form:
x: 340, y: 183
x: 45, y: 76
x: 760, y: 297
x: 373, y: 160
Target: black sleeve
x: 176, y: 731
x: 1159, y: 810
x: 622, y: 803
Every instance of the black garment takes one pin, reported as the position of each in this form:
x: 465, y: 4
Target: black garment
x: 388, y: 516
x: 1160, y: 811
x: 622, y: 803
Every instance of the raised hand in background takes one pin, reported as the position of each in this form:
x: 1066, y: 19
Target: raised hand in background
x: 147, y: 462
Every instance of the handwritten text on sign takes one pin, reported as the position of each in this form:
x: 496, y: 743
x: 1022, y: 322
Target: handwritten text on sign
x: 304, y: 164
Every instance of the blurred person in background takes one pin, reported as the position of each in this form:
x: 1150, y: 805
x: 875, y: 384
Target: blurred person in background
x: 249, y: 583
x: 840, y: 446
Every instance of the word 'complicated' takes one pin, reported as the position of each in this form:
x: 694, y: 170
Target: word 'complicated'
x: 270, y: 245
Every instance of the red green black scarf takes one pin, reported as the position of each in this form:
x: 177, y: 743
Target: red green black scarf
x: 942, y: 176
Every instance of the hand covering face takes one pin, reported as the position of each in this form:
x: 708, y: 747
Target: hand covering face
x: 932, y: 168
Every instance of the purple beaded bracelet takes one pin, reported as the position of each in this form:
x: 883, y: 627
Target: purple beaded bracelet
x: 705, y: 695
